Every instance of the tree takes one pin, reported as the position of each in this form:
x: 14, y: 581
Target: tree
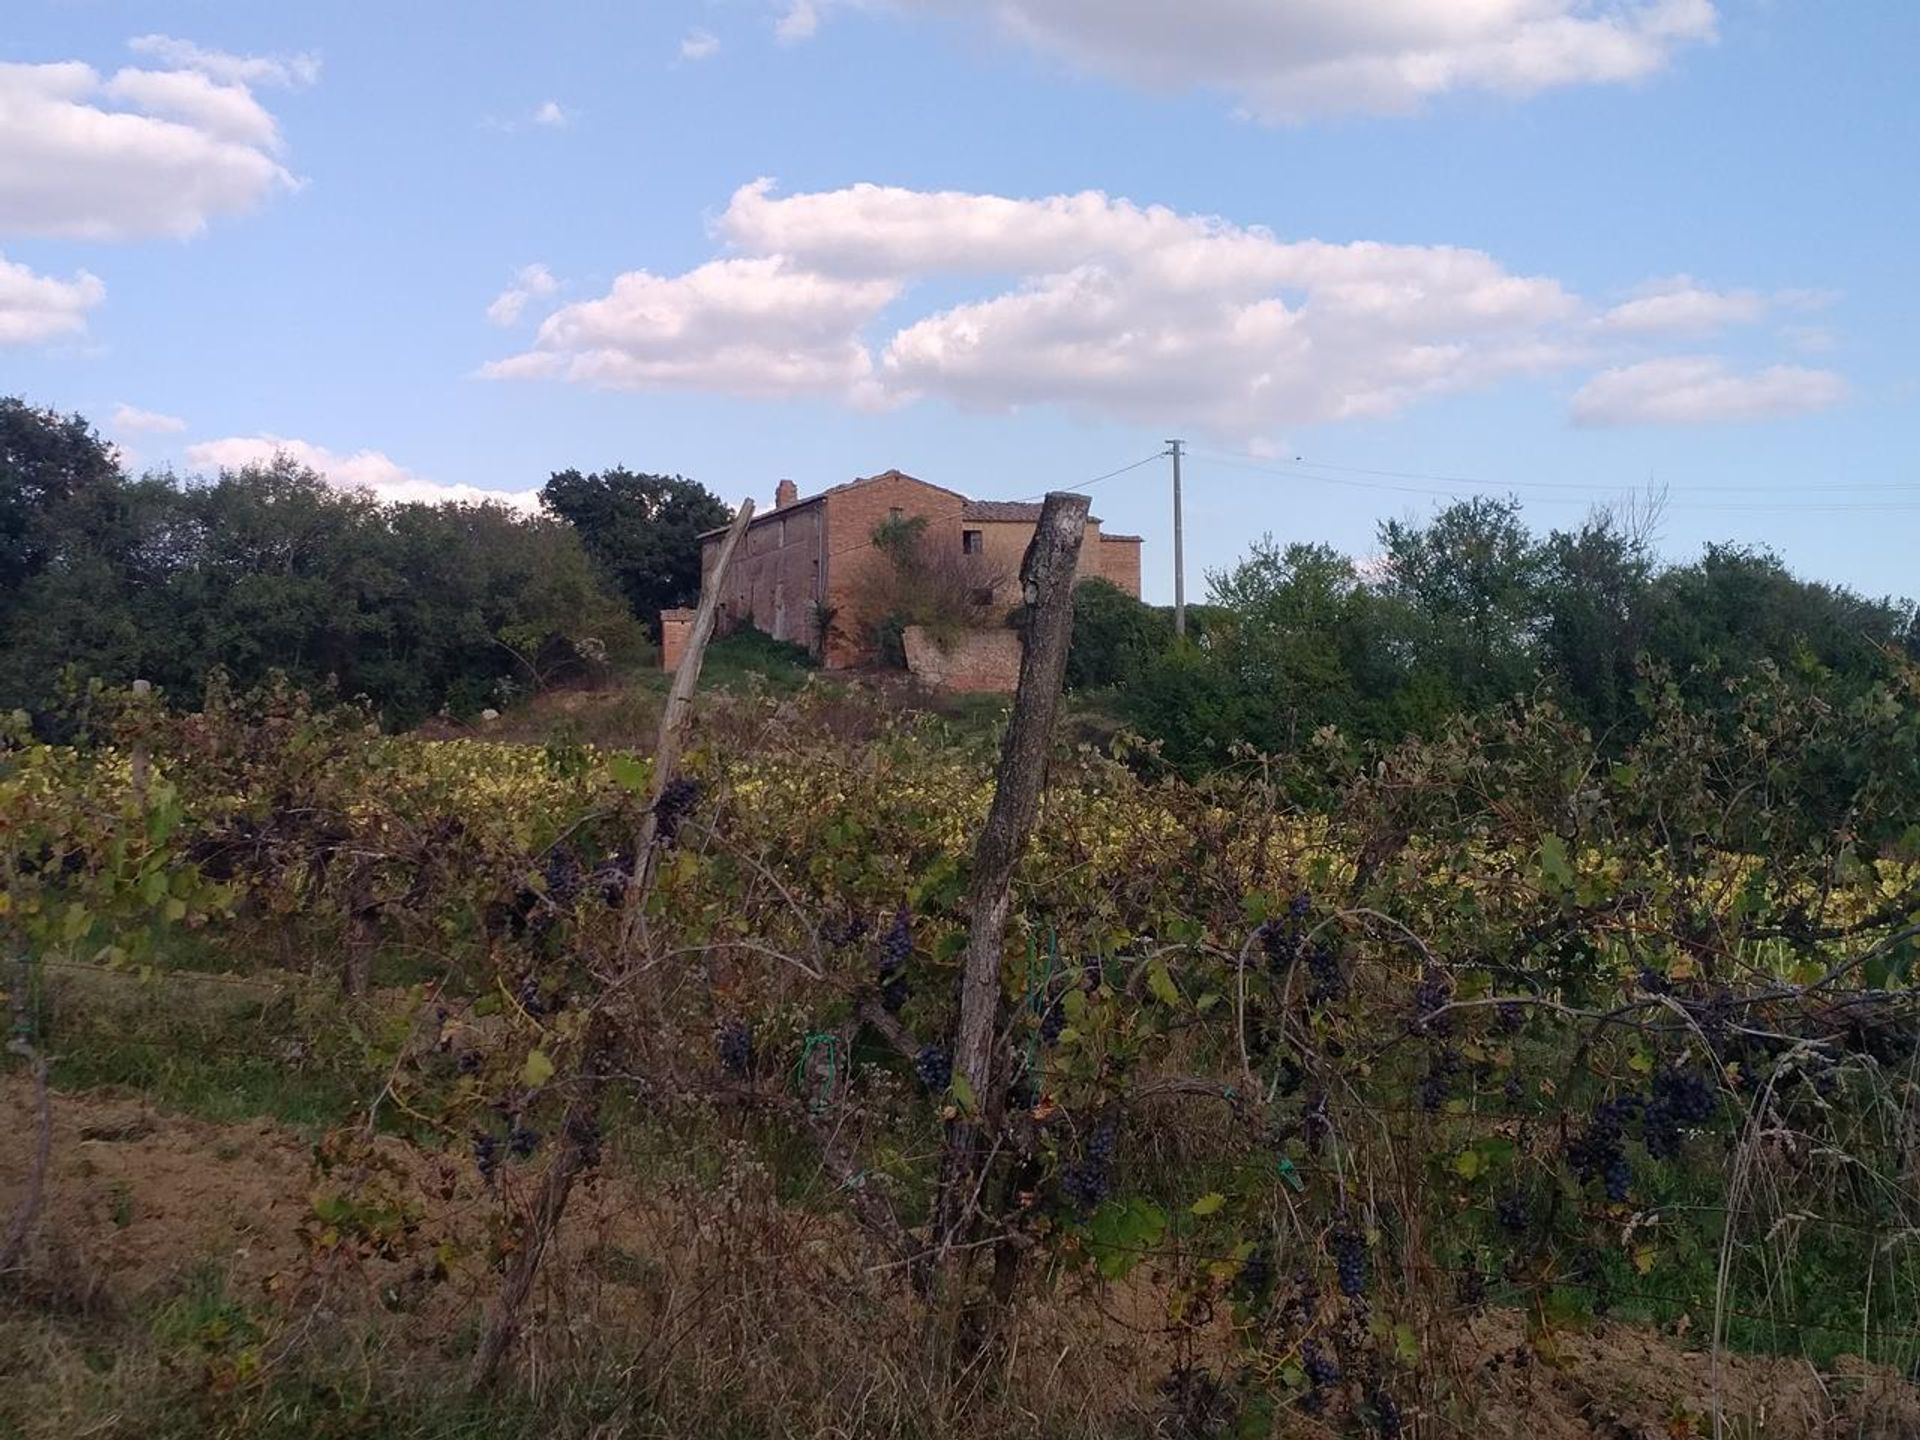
x: 50, y: 464
x: 1115, y: 636
x: 643, y: 529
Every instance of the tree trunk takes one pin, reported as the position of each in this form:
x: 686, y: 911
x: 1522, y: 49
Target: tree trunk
x: 1047, y: 578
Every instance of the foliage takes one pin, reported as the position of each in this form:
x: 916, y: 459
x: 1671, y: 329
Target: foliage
x: 1115, y: 636
x: 643, y: 529
x: 1506, y: 1022
x: 269, y: 568
x: 927, y: 581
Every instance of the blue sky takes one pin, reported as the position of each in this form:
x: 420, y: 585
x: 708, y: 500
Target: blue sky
x: 1559, y: 247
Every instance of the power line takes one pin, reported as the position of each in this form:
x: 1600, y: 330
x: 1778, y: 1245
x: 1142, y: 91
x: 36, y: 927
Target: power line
x: 1907, y: 486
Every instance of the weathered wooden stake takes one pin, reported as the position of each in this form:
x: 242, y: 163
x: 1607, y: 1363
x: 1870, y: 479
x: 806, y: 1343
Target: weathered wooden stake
x: 579, y: 1138
x: 1047, y: 577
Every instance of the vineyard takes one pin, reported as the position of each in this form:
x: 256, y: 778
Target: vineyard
x: 1500, y: 1083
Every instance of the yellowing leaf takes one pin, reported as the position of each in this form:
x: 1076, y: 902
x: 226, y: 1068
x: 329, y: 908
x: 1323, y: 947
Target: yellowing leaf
x: 1208, y: 1204
x: 1468, y: 1163
x: 1161, y: 984
x: 538, y: 1070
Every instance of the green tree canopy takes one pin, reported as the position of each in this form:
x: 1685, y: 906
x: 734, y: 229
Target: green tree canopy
x: 644, y: 529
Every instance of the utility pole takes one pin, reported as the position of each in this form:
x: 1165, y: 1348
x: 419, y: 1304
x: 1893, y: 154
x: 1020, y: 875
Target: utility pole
x: 1179, y: 555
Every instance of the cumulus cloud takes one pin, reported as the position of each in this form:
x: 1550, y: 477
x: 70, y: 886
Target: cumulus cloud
x: 367, y: 470
x: 1283, y: 60
x: 37, y: 308
x: 1678, y: 306
x: 699, y: 45
x: 553, y: 115
x: 534, y: 282
x: 131, y: 418
x: 287, y: 71
x: 1116, y: 309
x: 145, y: 153
x: 1701, y: 389
x: 799, y: 21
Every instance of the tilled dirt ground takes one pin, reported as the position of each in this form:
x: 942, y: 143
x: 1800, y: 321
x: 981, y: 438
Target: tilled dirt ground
x: 137, y: 1199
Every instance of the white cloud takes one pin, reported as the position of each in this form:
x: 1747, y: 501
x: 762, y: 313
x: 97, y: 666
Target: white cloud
x: 37, y: 308
x: 289, y: 71
x: 553, y: 115
x: 129, y: 417
x: 1700, y: 389
x: 1112, y: 308
x: 699, y: 45
x: 1287, y: 59
x: 146, y: 153
x: 800, y: 22
x: 1677, y: 306
x: 749, y: 326
x: 368, y: 470
x: 534, y: 282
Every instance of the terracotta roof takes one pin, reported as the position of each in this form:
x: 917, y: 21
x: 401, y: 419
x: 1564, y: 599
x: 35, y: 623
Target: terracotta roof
x: 1021, y: 510
x: 773, y: 511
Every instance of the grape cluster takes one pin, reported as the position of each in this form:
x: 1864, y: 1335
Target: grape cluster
x: 1323, y: 1370
x: 736, y: 1048
x: 1600, y: 1153
x: 934, y: 1067
x: 1350, y: 1260
x: 1510, y: 1016
x: 1430, y: 996
x: 610, y: 878
x: 1386, y: 1414
x: 563, y: 876
x: 1327, y: 980
x: 522, y: 1142
x: 1653, y: 982
x: 675, y: 804
x: 1282, y: 936
x: 1053, y: 1020
x: 1514, y: 1212
x: 1679, y: 1097
x: 1256, y: 1273
x: 1086, y: 1182
x: 1316, y: 1123
x: 530, y: 999
x: 1470, y: 1285
x: 1437, y: 1083
x: 842, y: 933
x: 583, y: 1132
x: 486, y: 1156
x: 896, y: 946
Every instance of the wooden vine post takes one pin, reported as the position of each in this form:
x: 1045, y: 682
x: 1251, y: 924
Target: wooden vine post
x: 1047, y: 578
x: 579, y: 1139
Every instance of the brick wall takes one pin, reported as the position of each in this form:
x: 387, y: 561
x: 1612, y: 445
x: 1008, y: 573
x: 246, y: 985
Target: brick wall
x: 775, y: 576
x: 675, y: 627
x: 979, y: 661
x: 1115, y: 558
x: 854, y: 565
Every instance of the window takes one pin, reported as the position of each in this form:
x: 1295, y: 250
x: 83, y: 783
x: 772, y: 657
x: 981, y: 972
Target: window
x: 973, y: 541
x: 982, y: 596
x: 896, y: 513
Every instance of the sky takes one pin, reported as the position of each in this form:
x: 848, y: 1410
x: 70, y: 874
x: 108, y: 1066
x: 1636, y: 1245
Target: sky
x: 1362, y: 256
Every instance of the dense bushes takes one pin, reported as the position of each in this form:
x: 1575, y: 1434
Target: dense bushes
x: 1463, y: 614
x: 269, y: 568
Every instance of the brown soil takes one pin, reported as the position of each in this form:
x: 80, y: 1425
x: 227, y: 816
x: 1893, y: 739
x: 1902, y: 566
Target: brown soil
x: 138, y: 1198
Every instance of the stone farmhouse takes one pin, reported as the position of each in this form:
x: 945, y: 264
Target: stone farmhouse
x: 806, y: 557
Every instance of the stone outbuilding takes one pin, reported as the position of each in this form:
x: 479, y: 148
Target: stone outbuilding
x: 813, y: 557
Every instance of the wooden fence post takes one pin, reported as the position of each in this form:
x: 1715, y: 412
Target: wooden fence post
x: 1047, y: 578
x: 579, y: 1138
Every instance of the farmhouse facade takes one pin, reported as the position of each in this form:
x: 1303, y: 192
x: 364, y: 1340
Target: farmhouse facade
x: 811, y: 559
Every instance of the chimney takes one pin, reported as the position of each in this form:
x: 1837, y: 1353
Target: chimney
x: 784, y: 494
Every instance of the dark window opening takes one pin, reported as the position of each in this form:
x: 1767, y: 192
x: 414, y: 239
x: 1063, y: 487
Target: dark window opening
x: 973, y: 541
x: 983, y: 596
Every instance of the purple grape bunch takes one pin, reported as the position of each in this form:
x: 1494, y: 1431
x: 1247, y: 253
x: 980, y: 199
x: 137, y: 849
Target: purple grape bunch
x: 1430, y: 997
x: 896, y: 947
x: 735, y: 1044
x: 1599, y: 1153
x: 675, y: 804
x: 1086, y: 1182
x: 1350, y: 1261
x: 934, y: 1067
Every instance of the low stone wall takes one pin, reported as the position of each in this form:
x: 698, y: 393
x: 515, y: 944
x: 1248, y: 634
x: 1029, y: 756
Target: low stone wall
x: 980, y: 661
